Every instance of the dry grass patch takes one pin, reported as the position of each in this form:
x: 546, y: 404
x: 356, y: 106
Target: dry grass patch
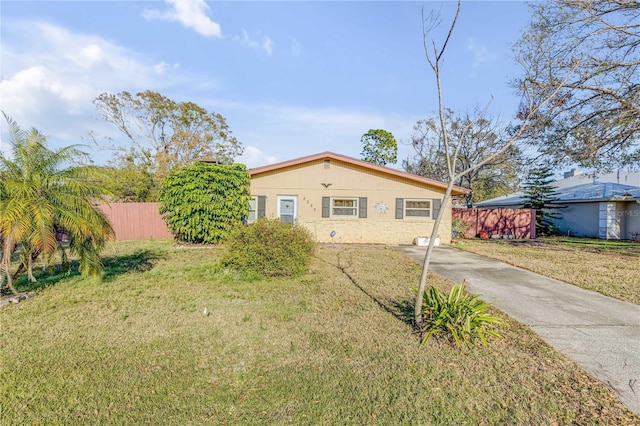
x: 329, y: 347
x: 611, y: 268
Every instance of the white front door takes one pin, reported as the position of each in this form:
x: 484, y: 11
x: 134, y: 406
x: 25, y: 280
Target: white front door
x: 288, y: 208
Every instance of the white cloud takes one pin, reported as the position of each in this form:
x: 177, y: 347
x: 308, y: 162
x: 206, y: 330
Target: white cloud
x: 45, y: 83
x: 190, y: 13
x: 161, y: 67
x: 253, y: 157
x: 51, y: 75
x: 91, y: 55
x: 266, y: 44
x: 481, y: 53
x: 245, y: 39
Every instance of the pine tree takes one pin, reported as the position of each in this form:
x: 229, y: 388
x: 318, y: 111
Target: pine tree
x: 539, y: 193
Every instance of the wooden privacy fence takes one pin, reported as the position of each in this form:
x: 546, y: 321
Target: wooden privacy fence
x: 521, y: 223
x: 135, y: 221
x: 141, y: 221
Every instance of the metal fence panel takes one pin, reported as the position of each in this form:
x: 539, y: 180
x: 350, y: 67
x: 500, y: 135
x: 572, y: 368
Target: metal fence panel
x: 513, y: 223
x: 136, y: 221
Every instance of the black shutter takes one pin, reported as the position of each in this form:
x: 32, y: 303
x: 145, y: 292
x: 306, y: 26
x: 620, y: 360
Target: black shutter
x: 362, y: 207
x: 436, y: 207
x: 326, y: 207
x: 399, y: 208
x: 262, y: 206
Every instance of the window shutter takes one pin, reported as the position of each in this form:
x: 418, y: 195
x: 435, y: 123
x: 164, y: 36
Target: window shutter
x: 262, y: 206
x: 362, y: 207
x: 326, y: 207
x: 436, y: 207
x: 399, y: 208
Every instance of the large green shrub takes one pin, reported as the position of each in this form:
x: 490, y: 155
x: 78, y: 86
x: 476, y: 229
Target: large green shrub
x: 203, y: 203
x: 459, y: 318
x: 270, y: 248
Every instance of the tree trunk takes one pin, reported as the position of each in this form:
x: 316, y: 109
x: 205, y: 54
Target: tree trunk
x: 417, y: 314
x: 10, y: 285
x: 7, y: 251
x: 30, y: 259
x: 19, y: 272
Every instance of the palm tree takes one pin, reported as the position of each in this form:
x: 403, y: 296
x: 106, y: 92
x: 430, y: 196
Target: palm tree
x: 41, y: 198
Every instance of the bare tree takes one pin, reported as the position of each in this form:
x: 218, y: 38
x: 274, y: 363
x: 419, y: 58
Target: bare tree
x: 594, y: 46
x: 529, y: 116
x: 167, y: 134
x: 479, y: 136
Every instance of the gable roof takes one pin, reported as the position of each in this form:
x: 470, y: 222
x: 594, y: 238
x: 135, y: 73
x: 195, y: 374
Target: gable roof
x: 387, y: 172
x: 588, y: 192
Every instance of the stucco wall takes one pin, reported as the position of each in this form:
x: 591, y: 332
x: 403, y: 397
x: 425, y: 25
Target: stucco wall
x: 372, y: 232
x: 632, y: 219
x: 579, y: 219
x: 311, y: 181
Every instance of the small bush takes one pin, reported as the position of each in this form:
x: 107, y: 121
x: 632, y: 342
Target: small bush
x: 459, y: 318
x: 269, y: 247
x: 458, y: 228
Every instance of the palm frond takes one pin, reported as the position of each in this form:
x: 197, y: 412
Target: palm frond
x: 43, y: 191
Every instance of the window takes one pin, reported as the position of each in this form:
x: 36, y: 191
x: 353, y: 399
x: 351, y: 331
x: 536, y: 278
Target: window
x: 257, y: 206
x: 288, y: 208
x: 253, y: 209
x: 344, y: 207
x: 417, y: 208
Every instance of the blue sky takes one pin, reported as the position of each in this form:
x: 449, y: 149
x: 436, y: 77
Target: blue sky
x: 291, y: 78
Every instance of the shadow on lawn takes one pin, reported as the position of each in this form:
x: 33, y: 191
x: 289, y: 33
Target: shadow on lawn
x: 404, y: 311
x: 138, y: 262
x: 114, y: 266
x: 401, y: 310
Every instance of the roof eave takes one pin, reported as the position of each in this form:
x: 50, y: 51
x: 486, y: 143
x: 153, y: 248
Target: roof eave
x: 456, y: 190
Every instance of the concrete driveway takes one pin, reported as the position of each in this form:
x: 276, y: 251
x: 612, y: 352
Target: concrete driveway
x: 599, y: 333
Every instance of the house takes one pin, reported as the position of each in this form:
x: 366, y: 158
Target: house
x: 577, y: 177
x: 604, y: 210
x: 342, y: 199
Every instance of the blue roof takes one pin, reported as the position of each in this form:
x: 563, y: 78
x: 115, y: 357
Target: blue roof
x: 598, y: 192
x: 588, y: 192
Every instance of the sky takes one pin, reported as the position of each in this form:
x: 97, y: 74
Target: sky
x: 291, y: 78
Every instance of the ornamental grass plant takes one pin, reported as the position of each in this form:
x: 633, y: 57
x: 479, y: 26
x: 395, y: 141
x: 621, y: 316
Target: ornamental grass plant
x: 460, y: 318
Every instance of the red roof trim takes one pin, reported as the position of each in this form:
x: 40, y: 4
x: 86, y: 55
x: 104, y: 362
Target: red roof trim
x: 349, y: 160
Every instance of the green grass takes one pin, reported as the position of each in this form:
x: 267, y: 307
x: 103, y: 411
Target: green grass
x: 330, y: 347
x: 609, y: 267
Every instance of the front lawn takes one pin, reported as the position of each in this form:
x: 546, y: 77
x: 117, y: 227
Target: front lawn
x: 608, y: 267
x: 330, y: 347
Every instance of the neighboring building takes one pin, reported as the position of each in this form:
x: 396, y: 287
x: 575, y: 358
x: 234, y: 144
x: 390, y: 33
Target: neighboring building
x: 597, y: 209
x: 576, y: 177
x: 342, y: 199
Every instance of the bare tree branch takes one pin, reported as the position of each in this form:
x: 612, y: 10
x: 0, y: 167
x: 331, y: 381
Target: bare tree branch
x: 598, y: 125
x: 530, y: 117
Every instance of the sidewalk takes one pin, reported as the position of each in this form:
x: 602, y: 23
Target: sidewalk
x: 601, y: 334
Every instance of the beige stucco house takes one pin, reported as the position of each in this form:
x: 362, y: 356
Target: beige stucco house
x: 344, y: 200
